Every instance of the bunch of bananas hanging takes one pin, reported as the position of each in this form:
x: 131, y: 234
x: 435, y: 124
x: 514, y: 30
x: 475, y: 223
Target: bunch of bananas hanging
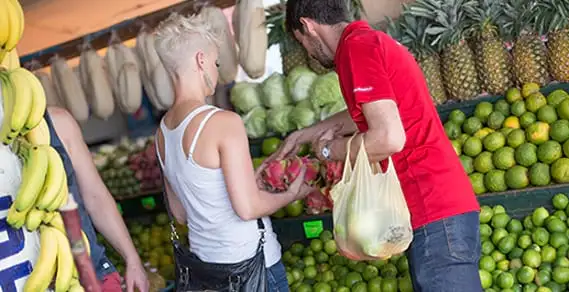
x: 55, y: 259
x: 11, y: 25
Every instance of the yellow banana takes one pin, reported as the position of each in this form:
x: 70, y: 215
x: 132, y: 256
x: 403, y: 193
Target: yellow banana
x: 20, y: 11
x: 76, y: 286
x: 4, y: 23
x: 57, y: 222
x: 45, y: 266
x: 15, y: 218
x: 6, y: 134
x: 61, y: 199
x: 33, y: 177
x: 54, y: 179
x: 48, y: 217
x: 14, y: 27
x: 23, y: 100
x: 65, y: 263
x: 34, y: 218
x: 11, y: 60
x: 38, y: 100
x: 40, y: 134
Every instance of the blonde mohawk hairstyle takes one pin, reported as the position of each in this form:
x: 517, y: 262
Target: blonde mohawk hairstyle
x: 178, y: 35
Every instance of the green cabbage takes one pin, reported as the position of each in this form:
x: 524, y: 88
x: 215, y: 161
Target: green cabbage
x: 332, y: 109
x: 255, y: 122
x: 305, y: 103
x: 302, y: 117
x: 275, y: 93
x: 326, y: 90
x: 299, y: 81
x: 278, y: 119
x: 245, y: 96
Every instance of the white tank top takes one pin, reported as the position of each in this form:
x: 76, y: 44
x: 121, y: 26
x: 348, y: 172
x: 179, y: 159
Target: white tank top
x: 216, y: 234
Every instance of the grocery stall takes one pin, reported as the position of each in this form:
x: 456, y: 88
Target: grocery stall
x: 498, y: 77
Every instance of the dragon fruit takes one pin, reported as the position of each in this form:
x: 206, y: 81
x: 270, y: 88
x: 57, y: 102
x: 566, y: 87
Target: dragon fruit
x: 316, y: 202
x: 274, y: 175
x: 332, y: 171
x: 311, y: 176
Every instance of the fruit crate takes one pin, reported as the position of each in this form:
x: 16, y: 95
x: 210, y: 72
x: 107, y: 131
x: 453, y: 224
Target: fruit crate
x: 147, y: 203
x: 518, y: 203
x: 468, y: 106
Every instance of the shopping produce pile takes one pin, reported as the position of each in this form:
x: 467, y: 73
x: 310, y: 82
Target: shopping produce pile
x: 151, y: 237
x: 279, y: 174
x: 130, y: 167
x: 282, y: 104
x: 317, y: 266
x: 519, y: 141
x: 468, y: 48
x: 43, y: 187
x: 525, y: 255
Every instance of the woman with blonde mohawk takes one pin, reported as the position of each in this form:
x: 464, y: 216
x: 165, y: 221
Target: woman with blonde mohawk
x: 208, y: 174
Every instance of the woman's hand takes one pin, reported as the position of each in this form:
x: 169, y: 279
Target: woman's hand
x: 299, y: 188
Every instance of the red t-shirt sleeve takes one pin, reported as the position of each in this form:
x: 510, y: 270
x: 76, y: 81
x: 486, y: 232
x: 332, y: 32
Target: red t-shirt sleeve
x: 366, y: 70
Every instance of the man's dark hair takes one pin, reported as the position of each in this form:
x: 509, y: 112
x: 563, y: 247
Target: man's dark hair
x: 327, y: 12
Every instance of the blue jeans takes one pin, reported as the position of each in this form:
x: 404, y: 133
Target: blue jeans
x: 444, y: 255
x: 276, y: 275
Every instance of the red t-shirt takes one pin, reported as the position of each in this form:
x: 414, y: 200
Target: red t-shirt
x: 372, y: 66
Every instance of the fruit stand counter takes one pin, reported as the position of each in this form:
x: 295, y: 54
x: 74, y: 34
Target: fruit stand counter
x: 468, y: 106
x: 517, y: 203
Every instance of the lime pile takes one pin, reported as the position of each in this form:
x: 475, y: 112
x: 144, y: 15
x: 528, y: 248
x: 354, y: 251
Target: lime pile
x: 317, y: 267
x: 517, y: 142
x: 527, y: 255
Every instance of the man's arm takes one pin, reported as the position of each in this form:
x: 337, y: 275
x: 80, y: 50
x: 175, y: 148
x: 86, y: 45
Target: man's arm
x: 372, y: 91
x: 99, y: 203
x: 385, y: 136
x: 342, y: 123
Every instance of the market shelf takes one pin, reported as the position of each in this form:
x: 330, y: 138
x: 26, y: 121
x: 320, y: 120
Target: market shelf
x: 518, y: 203
x: 468, y: 106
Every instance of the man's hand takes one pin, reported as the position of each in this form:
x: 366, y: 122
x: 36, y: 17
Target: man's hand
x: 321, y: 141
x: 135, y: 277
x: 299, y: 188
x: 289, y: 147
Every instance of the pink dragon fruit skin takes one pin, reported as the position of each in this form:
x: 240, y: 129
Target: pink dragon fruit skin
x: 312, y: 169
x: 316, y: 203
x: 332, y: 171
x: 274, y: 175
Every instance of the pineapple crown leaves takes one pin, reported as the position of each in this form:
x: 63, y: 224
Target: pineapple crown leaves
x: 411, y: 32
x: 486, y: 16
x: 519, y: 18
x: 448, y: 22
x: 275, y: 22
x: 551, y: 16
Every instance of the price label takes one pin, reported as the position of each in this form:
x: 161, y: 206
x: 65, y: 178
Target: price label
x: 312, y: 229
x: 119, y: 206
x: 148, y: 203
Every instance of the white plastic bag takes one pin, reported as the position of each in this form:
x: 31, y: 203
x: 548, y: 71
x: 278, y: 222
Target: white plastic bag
x: 371, y: 218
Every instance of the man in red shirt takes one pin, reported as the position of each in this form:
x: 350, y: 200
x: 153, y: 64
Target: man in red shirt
x: 389, y: 103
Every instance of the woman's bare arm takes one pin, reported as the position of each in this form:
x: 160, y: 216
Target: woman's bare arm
x: 248, y: 201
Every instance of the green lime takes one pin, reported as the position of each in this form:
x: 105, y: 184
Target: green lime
x: 549, y: 152
x: 540, y: 236
x: 513, y: 94
x: 518, y: 108
x: 483, y: 162
x: 516, y: 138
x: 531, y: 258
x: 485, y: 279
x: 539, y: 215
x: 503, y: 158
x: 270, y: 145
x: 563, y: 109
x: 494, y: 141
x: 471, y: 125
x: 472, y: 146
x: 502, y: 106
x: 525, y: 275
x: 539, y: 174
x: 556, y: 97
x: 495, y: 120
x: 526, y: 119
x: 547, y: 114
x: 452, y: 130
x: 537, y: 133
x: 483, y: 110
x: 477, y: 182
x: 486, y: 214
x: 495, y: 181
x: 548, y: 254
x: 558, y: 239
x: 559, y: 131
x: 535, y: 101
x: 524, y: 241
x: 515, y: 226
x: 457, y: 116
x: 467, y: 163
x: 560, y: 170
x: 505, y: 280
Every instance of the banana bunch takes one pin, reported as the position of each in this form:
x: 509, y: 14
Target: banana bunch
x: 11, y: 60
x: 55, y: 260
x: 11, y: 25
x: 24, y: 103
x: 44, y: 181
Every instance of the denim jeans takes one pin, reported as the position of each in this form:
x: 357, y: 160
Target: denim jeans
x: 276, y: 275
x: 443, y: 256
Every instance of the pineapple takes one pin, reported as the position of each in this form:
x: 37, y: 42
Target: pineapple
x: 529, y: 52
x: 448, y: 27
x: 493, y: 61
x: 553, y: 19
x: 411, y: 33
x: 292, y: 53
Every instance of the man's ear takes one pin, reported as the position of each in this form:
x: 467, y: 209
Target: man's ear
x: 308, y: 25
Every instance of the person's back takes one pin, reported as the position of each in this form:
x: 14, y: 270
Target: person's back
x: 431, y: 175
x: 216, y: 233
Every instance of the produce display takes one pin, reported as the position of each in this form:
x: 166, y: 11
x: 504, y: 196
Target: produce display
x: 278, y: 175
x: 42, y: 189
x: 525, y: 255
x: 468, y: 48
x: 282, y: 104
x: 130, y: 167
x: 151, y: 237
x: 517, y: 142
